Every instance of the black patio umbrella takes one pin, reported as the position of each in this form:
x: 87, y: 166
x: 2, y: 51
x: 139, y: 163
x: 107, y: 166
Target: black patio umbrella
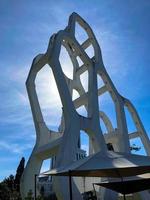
x: 104, y: 164
x: 128, y: 185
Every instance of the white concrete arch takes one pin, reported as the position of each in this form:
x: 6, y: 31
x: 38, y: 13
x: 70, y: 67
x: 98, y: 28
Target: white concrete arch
x: 106, y: 121
x: 139, y: 126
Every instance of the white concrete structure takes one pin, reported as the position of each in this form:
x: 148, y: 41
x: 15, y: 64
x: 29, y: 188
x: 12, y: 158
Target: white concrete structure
x: 63, y: 145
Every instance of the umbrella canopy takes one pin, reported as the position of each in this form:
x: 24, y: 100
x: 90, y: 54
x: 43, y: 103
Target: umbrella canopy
x: 128, y: 186
x: 109, y: 164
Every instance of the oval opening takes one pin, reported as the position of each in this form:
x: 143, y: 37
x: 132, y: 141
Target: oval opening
x: 66, y: 63
x: 80, y: 33
x: 49, y: 98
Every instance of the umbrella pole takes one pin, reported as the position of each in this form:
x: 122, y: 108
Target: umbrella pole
x: 124, y: 196
x: 94, y: 190
x: 70, y: 185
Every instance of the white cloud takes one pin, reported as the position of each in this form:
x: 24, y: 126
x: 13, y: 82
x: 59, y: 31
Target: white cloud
x: 14, y: 147
x: 19, y: 75
x: 17, y: 117
x: 22, y: 98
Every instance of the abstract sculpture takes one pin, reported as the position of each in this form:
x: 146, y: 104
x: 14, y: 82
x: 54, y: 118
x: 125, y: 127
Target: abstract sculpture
x: 63, y: 146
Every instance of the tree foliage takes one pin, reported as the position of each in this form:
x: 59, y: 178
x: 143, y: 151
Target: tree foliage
x: 19, y: 173
x: 10, y: 186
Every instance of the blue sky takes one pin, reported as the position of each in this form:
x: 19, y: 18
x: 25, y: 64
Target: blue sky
x: 122, y: 29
